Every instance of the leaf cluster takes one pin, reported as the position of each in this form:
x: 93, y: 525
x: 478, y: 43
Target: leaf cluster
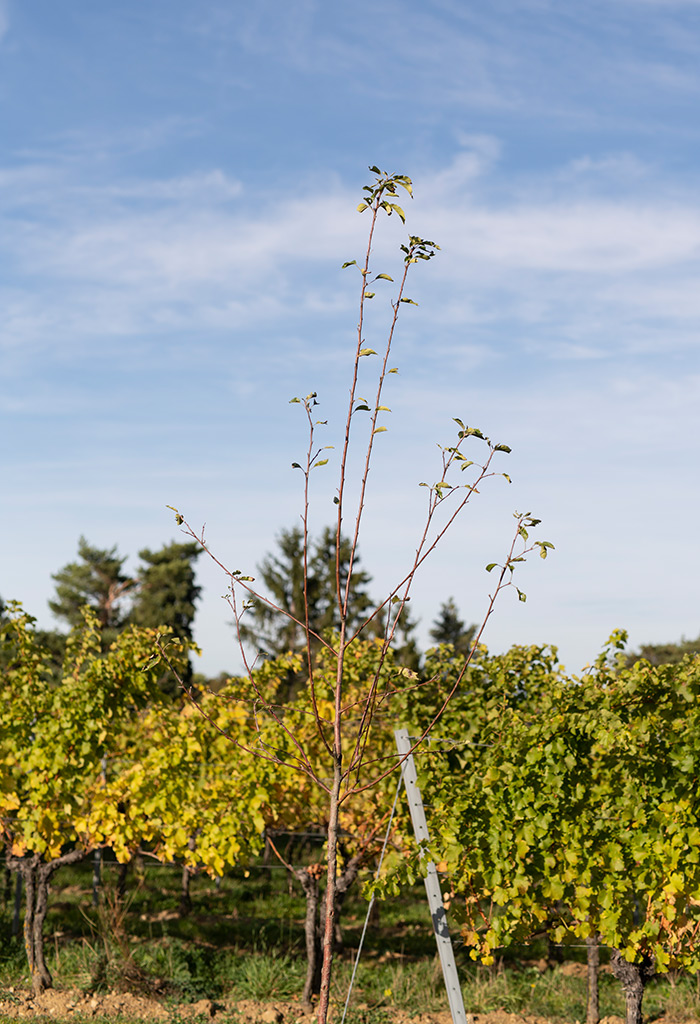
x: 580, y: 816
x: 58, y: 735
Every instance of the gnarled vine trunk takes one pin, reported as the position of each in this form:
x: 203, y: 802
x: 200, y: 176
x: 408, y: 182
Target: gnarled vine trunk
x: 37, y: 875
x: 309, y: 879
x: 633, y: 978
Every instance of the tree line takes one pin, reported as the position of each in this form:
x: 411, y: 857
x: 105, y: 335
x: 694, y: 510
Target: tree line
x: 163, y: 592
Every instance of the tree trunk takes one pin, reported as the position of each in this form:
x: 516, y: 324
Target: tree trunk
x: 41, y: 976
x: 33, y: 884
x: 185, y: 898
x: 331, y: 884
x: 633, y: 978
x: 308, y: 877
x: 17, y: 908
x: 36, y: 876
x: 343, y: 883
x: 187, y: 873
x: 121, y: 880
x: 96, y: 877
x: 592, y: 1001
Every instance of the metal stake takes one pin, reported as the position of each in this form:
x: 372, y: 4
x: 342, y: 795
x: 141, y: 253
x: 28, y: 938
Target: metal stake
x: 432, y: 882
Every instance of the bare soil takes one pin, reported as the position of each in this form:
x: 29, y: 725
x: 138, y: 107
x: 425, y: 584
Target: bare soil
x: 63, y: 1005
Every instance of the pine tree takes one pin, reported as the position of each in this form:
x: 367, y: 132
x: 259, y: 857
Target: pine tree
x: 448, y: 628
x: 323, y: 571
x: 167, y: 590
x: 273, y: 632
x: 167, y: 593
x: 97, y: 580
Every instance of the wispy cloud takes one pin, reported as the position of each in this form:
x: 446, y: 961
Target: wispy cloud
x: 204, y: 252
x: 576, y: 60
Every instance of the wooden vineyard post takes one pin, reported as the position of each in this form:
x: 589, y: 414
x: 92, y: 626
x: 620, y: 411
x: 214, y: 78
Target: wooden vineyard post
x: 432, y: 882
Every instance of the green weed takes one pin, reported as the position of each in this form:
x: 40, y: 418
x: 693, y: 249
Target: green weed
x: 244, y: 940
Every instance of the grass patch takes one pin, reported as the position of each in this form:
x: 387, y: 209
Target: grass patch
x: 244, y: 940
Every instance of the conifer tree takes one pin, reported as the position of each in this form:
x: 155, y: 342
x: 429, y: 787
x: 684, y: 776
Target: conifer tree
x: 98, y: 580
x: 268, y: 627
x: 449, y: 628
x: 167, y: 594
x: 167, y: 591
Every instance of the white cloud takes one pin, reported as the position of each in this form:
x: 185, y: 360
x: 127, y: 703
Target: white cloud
x: 201, y: 253
x: 208, y: 187
x: 579, y: 278
x: 595, y: 237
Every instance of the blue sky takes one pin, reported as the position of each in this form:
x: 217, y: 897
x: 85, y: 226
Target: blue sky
x: 178, y: 184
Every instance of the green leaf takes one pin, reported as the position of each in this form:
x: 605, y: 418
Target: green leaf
x: 367, y: 352
x: 383, y: 408
x: 321, y: 462
x: 409, y: 300
x: 379, y: 430
x: 521, y: 596
x: 295, y: 465
x: 361, y: 207
x: 394, y: 369
x: 502, y: 448
x: 179, y: 519
x: 336, y: 500
x: 369, y: 295
x: 361, y: 408
x: 491, y: 566
x: 293, y: 400
x: 349, y: 263
x: 375, y: 170
x: 384, y: 277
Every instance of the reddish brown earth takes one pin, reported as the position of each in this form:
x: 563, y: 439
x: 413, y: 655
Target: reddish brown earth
x: 61, y: 1006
